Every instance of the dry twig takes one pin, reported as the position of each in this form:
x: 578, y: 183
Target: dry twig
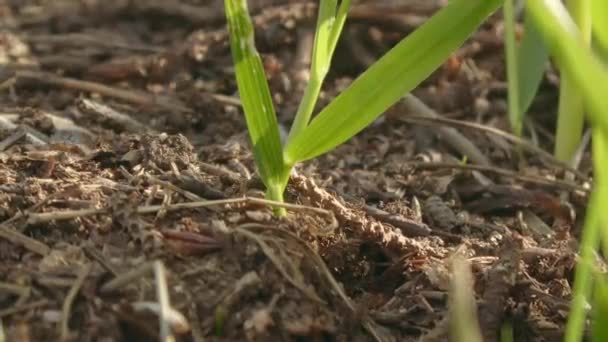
x: 368, y: 323
x: 555, y: 183
x: 24, y: 307
x: 94, y: 108
x: 105, y: 90
x: 69, y: 300
x: 24, y: 241
x: 162, y: 294
x: 35, y: 218
x: 491, y: 130
x: 295, y: 278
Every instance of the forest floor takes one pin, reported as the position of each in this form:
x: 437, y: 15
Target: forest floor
x: 126, y: 174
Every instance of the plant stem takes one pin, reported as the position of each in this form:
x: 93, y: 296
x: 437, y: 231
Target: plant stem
x: 306, y: 107
x: 600, y: 164
x: 275, y: 193
x: 515, y: 115
x: 570, y: 119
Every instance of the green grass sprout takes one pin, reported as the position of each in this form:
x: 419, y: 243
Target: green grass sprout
x: 570, y: 117
x: 506, y: 332
x: 257, y: 101
x: 390, y: 78
x: 574, y: 57
x: 599, y: 329
x: 514, y: 108
x: 525, y: 64
x: 398, y: 72
x: 532, y: 57
x: 600, y: 27
x: 589, y: 242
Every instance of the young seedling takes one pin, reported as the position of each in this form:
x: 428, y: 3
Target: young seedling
x: 383, y: 84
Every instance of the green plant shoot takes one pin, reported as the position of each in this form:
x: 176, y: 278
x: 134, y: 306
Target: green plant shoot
x: 257, y: 101
x: 600, y: 27
x: 532, y: 57
x: 329, y: 28
x: 525, y: 66
x: 384, y: 83
x: 515, y: 113
x: 570, y: 117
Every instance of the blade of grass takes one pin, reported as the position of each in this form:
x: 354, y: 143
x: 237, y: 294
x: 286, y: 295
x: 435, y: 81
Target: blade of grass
x: 336, y: 31
x: 600, y: 165
x: 532, y: 56
x: 515, y: 114
x: 600, y: 26
x: 571, y: 116
x: 325, y: 21
x: 589, y: 242
x: 506, y: 332
x: 329, y: 27
x: 257, y: 102
x: 600, y: 303
x: 394, y: 75
x: 583, y: 276
x: 573, y: 56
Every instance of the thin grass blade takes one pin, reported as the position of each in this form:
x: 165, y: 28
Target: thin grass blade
x: 325, y: 22
x: 255, y: 94
x: 574, y: 57
x: 532, y: 58
x: 329, y: 28
x: 336, y: 31
x: 599, y: 329
x: 589, y: 241
x: 571, y: 111
x: 600, y: 27
x: 395, y: 74
x: 515, y: 114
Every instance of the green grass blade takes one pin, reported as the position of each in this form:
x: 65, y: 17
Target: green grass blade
x: 573, y: 56
x: 600, y: 304
x: 589, y: 240
x: 583, y: 275
x: 325, y: 22
x: 515, y: 114
x: 394, y: 75
x: 600, y: 26
x: 338, y: 25
x: 532, y: 58
x: 571, y: 115
x: 600, y: 165
x: 329, y: 28
x: 255, y: 94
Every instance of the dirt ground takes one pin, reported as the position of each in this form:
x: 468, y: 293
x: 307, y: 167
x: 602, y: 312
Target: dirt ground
x: 126, y: 174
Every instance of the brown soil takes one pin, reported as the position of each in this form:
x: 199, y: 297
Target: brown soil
x: 120, y: 119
